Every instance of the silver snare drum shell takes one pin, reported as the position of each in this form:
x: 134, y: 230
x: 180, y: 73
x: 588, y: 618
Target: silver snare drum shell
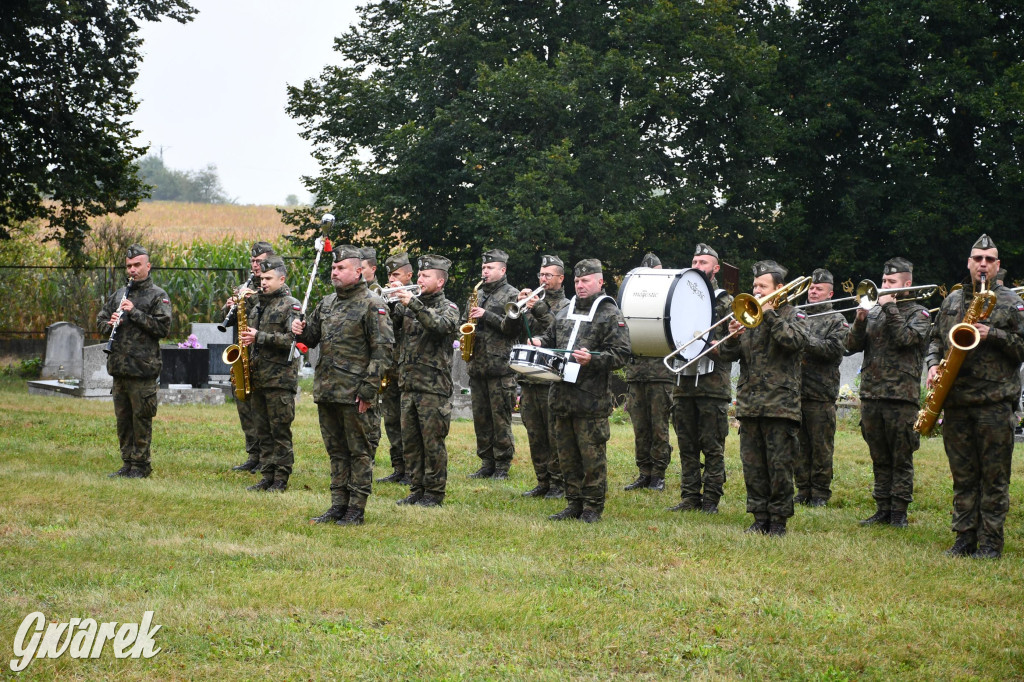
x: 665, y: 309
x: 537, y: 363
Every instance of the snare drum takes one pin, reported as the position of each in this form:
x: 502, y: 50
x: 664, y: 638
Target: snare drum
x: 666, y: 308
x: 537, y: 363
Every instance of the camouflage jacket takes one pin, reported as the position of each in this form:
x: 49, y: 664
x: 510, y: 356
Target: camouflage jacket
x: 249, y: 302
x: 590, y: 396
x: 893, y: 337
x: 991, y: 372
x: 653, y: 370
x: 493, y: 344
x: 826, y: 335
x: 355, y: 338
x: 272, y: 316
x: 769, y: 356
x: 718, y: 383
x: 535, y: 321
x: 427, y: 328
x: 136, y: 348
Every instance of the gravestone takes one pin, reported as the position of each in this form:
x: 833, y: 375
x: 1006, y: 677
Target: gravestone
x: 64, y: 342
x: 216, y: 341
x: 185, y: 366
x: 96, y: 383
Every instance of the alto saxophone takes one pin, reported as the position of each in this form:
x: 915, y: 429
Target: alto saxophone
x: 963, y: 338
x: 468, y: 331
x: 237, y: 355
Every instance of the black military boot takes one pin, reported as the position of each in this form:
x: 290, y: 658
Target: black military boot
x: 413, y: 498
x: 500, y: 474
x: 802, y: 498
x: 264, y: 484
x: 122, y: 472
x: 986, y: 552
x: 540, y: 490
x: 656, y: 483
x: 642, y: 481
x: 573, y: 511
x: 689, y: 504
x: 777, y: 528
x: 429, y: 501
x: 880, y: 516
x: 333, y: 513
x: 250, y: 465
x: 760, y: 526
x: 819, y: 502
x: 483, y: 472
x: 590, y: 516
x: 406, y: 480
x: 965, y: 545
x: 709, y: 506
x: 139, y: 471
x: 898, y: 518
x: 278, y: 486
x: 554, y: 493
x: 353, y: 517
x: 396, y: 477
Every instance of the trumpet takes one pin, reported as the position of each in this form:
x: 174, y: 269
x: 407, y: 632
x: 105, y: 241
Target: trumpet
x: 388, y: 293
x: 748, y: 311
x: 514, y: 309
x: 868, y: 292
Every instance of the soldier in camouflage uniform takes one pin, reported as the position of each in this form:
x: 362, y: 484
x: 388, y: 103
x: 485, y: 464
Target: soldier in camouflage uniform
x: 533, y: 402
x: 491, y: 384
x: 368, y: 256
x: 768, y: 401
x: 259, y: 252
x: 428, y: 326
x: 700, y: 408
x: 649, y: 404
x: 399, y: 272
x: 977, y: 428
x: 274, y: 378
x: 594, y: 330
x: 893, y: 336
x: 353, y: 331
x: 134, y: 360
x: 819, y: 390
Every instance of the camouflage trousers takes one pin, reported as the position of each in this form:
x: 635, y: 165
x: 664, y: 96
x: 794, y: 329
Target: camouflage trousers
x: 812, y: 469
x: 273, y: 411
x: 492, y: 399
x: 701, y: 425
x: 888, y: 430
x: 426, y: 418
x: 348, y: 449
x: 649, y: 404
x: 533, y: 408
x: 135, y: 402
x: 979, y: 446
x: 252, y: 441
x: 767, y: 448
x: 391, y: 411
x: 581, y: 443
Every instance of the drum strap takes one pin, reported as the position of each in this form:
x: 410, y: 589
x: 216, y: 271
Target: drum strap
x: 579, y: 319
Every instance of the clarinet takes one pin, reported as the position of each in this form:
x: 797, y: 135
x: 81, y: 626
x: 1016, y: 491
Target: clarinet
x: 117, y: 322
x: 232, y: 317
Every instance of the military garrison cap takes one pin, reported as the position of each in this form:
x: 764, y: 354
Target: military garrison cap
x: 1001, y: 275
x: 822, y: 276
x: 705, y: 250
x: 134, y: 251
x: 768, y: 267
x: 894, y: 265
x: 587, y: 266
x: 650, y: 261
x: 495, y: 256
x: 273, y: 263
x: 260, y: 248
x: 548, y: 261
x: 432, y: 261
x: 345, y: 252
x: 368, y: 253
x: 396, y: 261
x: 984, y: 242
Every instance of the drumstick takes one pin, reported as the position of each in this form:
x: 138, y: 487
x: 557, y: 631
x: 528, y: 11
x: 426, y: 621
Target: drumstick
x: 566, y: 350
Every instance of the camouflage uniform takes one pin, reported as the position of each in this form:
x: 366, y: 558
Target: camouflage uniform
x: 355, y: 352
x: 428, y: 327
x: 369, y: 254
x: 768, y: 408
x: 649, y: 404
x: 819, y: 390
x: 491, y: 384
x: 134, y: 363
x: 581, y: 409
x: 274, y: 381
x: 700, y: 416
x: 978, y: 421
x: 893, y: 338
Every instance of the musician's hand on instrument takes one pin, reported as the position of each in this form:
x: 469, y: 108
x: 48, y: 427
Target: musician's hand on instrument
x: 127, y: 306
x: 766, y: 306
x: 582, y: 356
x: 247, y: 337
x: 363, y: 406
x: 862, y: 314
x: 736, y: 328
x: 932, y: 372
x: 113, y: 318
x: 403, y: 296
x: 534, y: 341
x: 298, y: 326
x: 982, y: 330
x: 476, y: 313
x: 887, y: 298
x: 523, y: 293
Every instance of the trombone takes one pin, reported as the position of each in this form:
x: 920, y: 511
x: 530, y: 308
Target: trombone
x: 388, y: 293
x: 867, y: 296
x: 514, y: 309
x: 748, y: 311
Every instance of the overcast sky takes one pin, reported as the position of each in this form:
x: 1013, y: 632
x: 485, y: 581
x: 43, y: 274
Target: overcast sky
x: 213, y: 90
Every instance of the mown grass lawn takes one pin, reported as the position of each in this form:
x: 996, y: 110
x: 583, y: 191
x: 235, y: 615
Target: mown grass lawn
x: 485, y: 587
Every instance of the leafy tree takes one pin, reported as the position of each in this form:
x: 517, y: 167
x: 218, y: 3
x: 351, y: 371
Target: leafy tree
x: 199, y: 187
x: 66, y: 76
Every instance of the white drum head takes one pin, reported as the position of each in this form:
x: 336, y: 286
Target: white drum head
x: 665, y: 309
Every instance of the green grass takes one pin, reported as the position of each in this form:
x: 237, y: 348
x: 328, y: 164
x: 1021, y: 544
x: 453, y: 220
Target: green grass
x: 485, y: 587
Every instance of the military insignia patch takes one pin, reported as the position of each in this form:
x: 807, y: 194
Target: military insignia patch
x: 800, y: 316
x: 926, y: 313
x: 1020, y: 307
x: 297, y: 307
x: 622, y: 324
x: 453, y: 306
x: 167, y: 301
x: 382, y: 311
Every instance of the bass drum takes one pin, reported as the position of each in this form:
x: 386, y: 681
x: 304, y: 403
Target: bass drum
x: 666, y: 308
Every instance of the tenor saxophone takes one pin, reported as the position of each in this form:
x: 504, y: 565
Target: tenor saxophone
x: 237, y: 355
x: 468, y: 330
x: 963, y: 338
